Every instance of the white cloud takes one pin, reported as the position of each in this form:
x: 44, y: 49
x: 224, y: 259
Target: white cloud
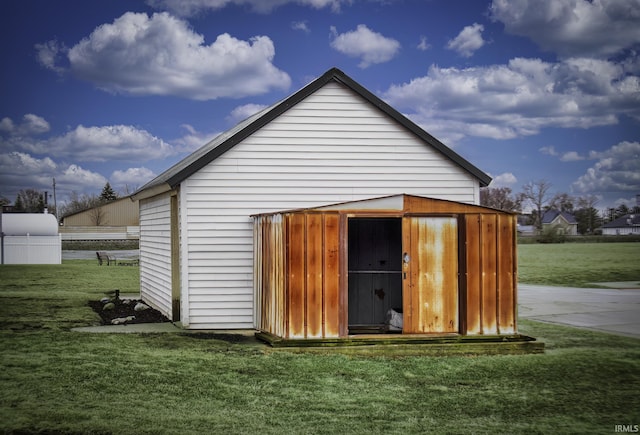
x: 7, y: 125
x: 114, y: 142
x: 132, y: 178
x: 75, y: 175
x: 468, y: 40
x: 520, y: 98
x: 192, y: 140
x: 505, y: 179
x: 17, y: 163
x: 597, y: 28
x: 241, y: 113
x: 300, y: 25
x: 20, y: 170
x: 31, y: 125
x: 187, y: 8
x: 162, y: 55
x: 34, y: 124
x: 423, y: 45
x: 48, y: 55
x: 84, y: 144
x: 616, y: 171
x: 571, y: 156
x: 549, y: 150
x: 371, y: 47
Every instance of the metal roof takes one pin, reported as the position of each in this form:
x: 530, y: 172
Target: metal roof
x: 173, y: 176
x: 550, y: 215
x: 626, y: 221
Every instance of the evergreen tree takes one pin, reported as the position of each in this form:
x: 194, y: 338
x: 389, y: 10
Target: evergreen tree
x: 108, y: 194
x: 18, y: 206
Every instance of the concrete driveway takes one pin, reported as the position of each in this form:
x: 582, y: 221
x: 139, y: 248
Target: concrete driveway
x: 612, y: 310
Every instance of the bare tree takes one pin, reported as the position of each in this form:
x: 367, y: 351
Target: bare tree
x: 536, y: 194
x: 501, y: 198
x: 30, y: 201
x: 79, y: 203
x: 562, y: 202
x: 98, y: 216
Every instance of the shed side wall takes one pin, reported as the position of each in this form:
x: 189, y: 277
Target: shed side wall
x: 122, y: 212
x: 155, y: 252
x: 270, y: 274
x: 490, y: 257
x: 330, y: 148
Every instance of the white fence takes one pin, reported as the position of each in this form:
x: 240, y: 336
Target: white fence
x: 131, y: 232
x: 31, y: 250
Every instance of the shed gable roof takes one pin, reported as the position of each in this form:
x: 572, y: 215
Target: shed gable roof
x: 172, y: 177
x: 401, y: 203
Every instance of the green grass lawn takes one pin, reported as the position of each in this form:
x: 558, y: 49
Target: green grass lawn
x: 54, y: 380
x: 578, y: 264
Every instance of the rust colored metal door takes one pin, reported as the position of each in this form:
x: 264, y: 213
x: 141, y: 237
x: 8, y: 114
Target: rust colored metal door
x: 430, y: 275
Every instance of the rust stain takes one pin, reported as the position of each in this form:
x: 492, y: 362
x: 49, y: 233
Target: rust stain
x: 433, y: 290
x: 473, y: 274
x: 313, y: 287
x: 331, y: 283
x: 302, y: 294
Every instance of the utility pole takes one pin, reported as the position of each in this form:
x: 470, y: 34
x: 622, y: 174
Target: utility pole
x: 55, y: 202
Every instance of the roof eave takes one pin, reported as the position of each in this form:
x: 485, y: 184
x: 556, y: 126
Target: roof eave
x: 151, y: 191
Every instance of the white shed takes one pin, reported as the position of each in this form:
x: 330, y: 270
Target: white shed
x: 29, y: 238
x: 332, y: 141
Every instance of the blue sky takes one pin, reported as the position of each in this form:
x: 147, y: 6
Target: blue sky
x: 119, y: 91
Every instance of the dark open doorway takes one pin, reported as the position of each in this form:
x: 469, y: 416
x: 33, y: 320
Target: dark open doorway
x: 375, y: 274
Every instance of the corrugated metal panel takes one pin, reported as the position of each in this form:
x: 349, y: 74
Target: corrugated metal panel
x: 304, y: 303
x: 296, y: 275
x: 270, y: 279
x: 473, y: 274
x: 155, y: 253
x: 331, y: 278
x: 506, y: 275
x: 431, y: 294
x: 489, y: 274
x: 314, y: 265
x: 490, y: 277
x: 300, y: 161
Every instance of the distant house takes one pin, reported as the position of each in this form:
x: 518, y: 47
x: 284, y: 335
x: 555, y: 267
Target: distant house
x: 115, y: 220
x: 625, y: 225
x: 560, y: 221
x: 219, y: 250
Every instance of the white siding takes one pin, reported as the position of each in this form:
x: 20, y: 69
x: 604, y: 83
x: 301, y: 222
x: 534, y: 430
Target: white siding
x: 155, y: 252
x: 332, y: 147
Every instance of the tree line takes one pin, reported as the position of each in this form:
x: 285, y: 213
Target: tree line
x: 35, y: 201
x: 536, y: 195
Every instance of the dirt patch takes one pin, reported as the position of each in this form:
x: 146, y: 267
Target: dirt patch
x: 125, y: 309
